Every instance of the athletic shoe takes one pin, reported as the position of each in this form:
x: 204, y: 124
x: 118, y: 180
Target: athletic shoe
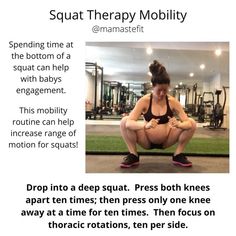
x: 181, y: 160
x: 129, y: 161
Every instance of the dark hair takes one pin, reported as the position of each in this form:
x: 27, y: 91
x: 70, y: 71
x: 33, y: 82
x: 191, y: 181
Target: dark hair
x: 159, y: 74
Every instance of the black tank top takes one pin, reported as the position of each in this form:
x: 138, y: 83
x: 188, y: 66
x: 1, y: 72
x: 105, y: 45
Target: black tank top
x: 162, y: 119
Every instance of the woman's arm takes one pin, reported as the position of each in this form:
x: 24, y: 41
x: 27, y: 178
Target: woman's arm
x: 132, y: 121
x: 184, y: 122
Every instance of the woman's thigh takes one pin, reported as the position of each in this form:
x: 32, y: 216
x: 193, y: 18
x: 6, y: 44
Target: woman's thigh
x: 173, y: 137
x: 142, y: 139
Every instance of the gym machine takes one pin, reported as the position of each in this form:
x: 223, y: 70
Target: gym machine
x: 191, y: 108
x: 111, y: 97
x: 206, y: 105
x: 107, y: 98
x: 123, y: 98
x: 217, y: 115
x: 201, y: 110
x: 96, y: 109
x: 181, y: 93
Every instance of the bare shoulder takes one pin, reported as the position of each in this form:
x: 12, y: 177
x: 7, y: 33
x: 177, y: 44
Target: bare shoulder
x: 143, y: 103
x: 145, y: 99
x: 172, y: 99
x: 140, y: 107
x: 177, y: 108
x: 174, y: 103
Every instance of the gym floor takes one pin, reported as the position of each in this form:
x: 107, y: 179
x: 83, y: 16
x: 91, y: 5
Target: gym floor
x: 153, y: 164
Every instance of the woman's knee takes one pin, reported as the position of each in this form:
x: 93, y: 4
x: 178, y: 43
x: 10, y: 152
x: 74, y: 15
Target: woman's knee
x: 126, y: 123
x: 193, y: 124
x: 123, y: 122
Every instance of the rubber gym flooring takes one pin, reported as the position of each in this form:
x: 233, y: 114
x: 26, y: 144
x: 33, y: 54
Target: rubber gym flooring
x: 153, y: 164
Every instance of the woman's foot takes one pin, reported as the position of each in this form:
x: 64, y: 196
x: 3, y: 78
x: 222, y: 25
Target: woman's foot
x: 181, y: 160
x: 129, y: 161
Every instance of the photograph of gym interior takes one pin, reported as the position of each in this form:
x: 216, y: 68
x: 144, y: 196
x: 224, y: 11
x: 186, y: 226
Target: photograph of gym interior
x: 117, y: 76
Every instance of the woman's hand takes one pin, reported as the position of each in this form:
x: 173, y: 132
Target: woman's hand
x: 173, y: 123
x: 152, y: 124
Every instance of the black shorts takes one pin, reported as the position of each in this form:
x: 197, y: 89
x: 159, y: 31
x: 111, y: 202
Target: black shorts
x: 158, y: 146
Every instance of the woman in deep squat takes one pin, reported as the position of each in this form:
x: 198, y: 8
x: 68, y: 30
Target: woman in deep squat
x: 160, y: 129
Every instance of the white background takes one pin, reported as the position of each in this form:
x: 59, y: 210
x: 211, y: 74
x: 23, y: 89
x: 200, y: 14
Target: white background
x: 29, y: 20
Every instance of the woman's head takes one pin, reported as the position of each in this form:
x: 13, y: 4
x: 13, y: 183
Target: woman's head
x: 159, y: 74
